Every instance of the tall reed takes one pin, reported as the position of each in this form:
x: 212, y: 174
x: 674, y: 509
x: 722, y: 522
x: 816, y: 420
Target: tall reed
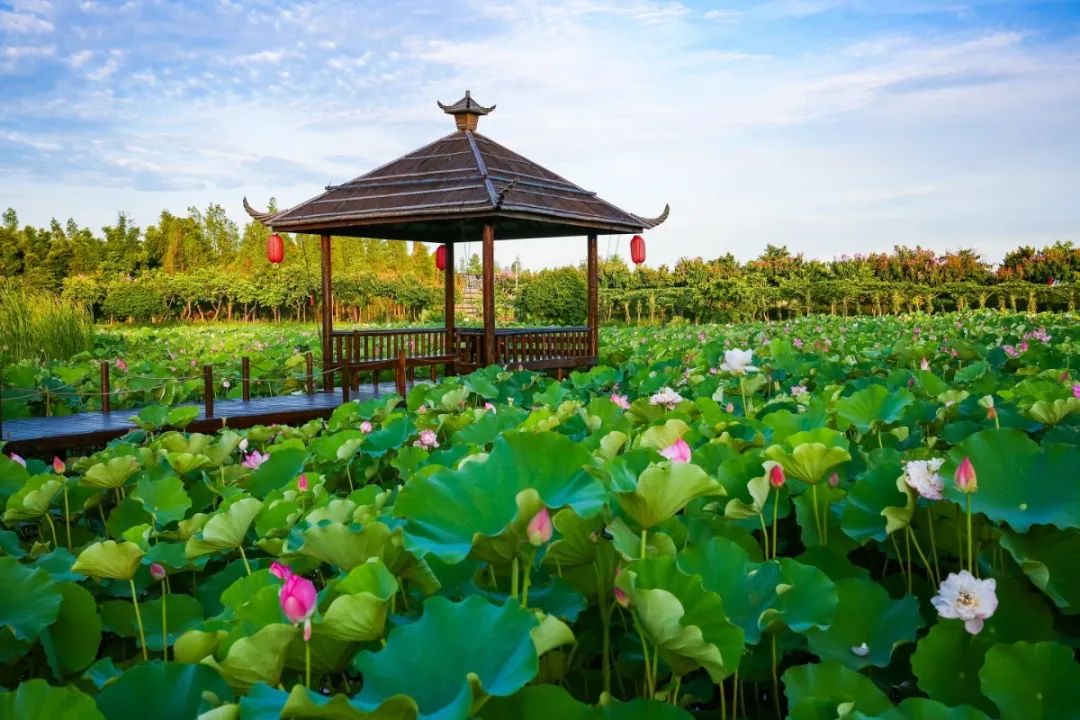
x: 36, y: 325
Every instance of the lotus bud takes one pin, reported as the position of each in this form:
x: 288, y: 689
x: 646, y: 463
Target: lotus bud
x: 302, y: 483
x: 677, y: 452
x: 280, y: 571
x: 157, y: 571
x: 58, y: 466
x: 243, y: 445
x: 925, y: 364
x: 365, y: 427
x: 776, y: 476
x: 298, y: 599
x: 17, y: 458
x: 539, y: 529
x: 834, y: 480
x: 620, y: 595
x: 966, y: 481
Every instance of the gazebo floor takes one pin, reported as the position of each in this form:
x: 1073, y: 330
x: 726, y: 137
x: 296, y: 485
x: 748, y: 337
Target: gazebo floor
x: 40, y: 435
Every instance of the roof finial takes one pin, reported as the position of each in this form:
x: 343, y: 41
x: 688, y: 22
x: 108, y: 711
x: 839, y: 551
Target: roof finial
x: 466, y: 112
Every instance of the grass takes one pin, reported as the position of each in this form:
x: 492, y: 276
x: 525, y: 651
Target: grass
x: 36, y: 325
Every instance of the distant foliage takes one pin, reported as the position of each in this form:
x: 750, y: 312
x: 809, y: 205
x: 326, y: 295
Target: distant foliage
x: 553, y: 296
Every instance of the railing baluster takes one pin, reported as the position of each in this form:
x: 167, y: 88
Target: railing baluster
x: 245, y: 378
x: 208, y: 391
x: 106, y: 395
x: 309, y: 360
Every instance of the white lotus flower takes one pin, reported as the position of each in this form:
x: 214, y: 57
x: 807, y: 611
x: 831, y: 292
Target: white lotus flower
x: 738, y: 361
x: 860, y: 650
x: 922, y: 475
x: 963, y: 596
x: 666, y: 397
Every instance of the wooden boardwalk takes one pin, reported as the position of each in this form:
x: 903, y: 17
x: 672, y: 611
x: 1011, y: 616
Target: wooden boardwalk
x: 37, y: 436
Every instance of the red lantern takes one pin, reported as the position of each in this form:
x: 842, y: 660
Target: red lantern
x: 275, y: 248
x: 637, y: 249
x: 440, y: 257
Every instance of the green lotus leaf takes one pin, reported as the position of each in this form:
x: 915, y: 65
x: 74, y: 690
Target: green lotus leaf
x: 110, y: 473
x: 865, y: 614
x: 659, y: 437
x: 37, y: 699
x: 683, y: 619
x: 1051, y: 412
x: 541, y: 702
x: 1020, y: 483
x: 220, y: 451
x: 194, y: 645
x: 165, y: 498
x: 1035, y: 681
x: 346, y: 546
x: 182, y: 416
x: 874, y: 491
x: 185, y: 462
x: 577, y: 540
x: 1048, y: 557
x: 759, y: 488
x: 392, y: 435
x: 13, y: 475
x: 947, y: 660
x: 359, y: 612
x: 163, y: 691
x: 303, y: 704
x: 225, y: 530
x: 258, y: 658
x: 71, y: 643
x: 809, y: 462
x: 835, y: 684
x: 439, y: 662
x: 663, y: 490
x: 284, y: 465
x: 31, y: 600
x: 109, y: 560
x: 925, y: 709
x: 757, y: 595
x: 871, y: 407
x: 33, y: 499
x: 447, y: 511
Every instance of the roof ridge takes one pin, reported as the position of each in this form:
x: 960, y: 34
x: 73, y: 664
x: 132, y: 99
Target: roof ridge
x: 496, y: 200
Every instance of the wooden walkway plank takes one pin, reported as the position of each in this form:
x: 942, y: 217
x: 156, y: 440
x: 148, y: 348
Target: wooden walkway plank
x: 38, y: 435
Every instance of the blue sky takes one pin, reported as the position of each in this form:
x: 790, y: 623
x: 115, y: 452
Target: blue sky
x: 831, y: 126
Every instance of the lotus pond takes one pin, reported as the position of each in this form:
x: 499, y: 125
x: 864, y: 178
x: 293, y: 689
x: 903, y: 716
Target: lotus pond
x: 828, y: 518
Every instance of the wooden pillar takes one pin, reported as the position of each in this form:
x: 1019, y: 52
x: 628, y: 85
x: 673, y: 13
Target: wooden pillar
x: 594, y: 298
x: 489, y: 294
x: 449, y: 302
x: 327, y: 314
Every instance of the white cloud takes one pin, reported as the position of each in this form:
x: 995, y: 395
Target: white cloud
x: 24, y: 23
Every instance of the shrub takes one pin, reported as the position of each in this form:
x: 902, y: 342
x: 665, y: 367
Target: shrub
x: 39, y: 325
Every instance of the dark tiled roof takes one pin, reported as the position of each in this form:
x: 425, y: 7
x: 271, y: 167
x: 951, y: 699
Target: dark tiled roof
x: 446, y: 191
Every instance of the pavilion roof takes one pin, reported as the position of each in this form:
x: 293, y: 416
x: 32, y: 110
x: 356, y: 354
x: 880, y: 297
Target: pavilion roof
x: 447, y: 190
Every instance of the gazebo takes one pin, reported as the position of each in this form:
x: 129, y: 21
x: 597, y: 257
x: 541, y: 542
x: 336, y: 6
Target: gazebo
x: 460, y: 188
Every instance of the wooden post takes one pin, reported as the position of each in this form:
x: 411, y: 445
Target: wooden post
x: 399, y: 374
x: 327, y: 314
x: 245, y: 377
x: 449, y: 301
x: 208, y: 390
x: 489, y: 293
x: 346, y: 383
x: 310, y: 361
x: 594, y: 298
x: 106, y: 394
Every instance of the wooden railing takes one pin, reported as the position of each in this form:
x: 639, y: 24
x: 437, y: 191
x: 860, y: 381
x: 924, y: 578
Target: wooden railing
x: 531, y: 348
x: 401, y: 350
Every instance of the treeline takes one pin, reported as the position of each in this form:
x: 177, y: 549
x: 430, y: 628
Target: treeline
x: 203, y: 266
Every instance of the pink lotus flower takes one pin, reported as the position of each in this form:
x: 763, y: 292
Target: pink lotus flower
x: 539, y: 529
x: 302, y: 483
x: 280, y: 571
x: 427, y: 440
x: 18, y: 458
x: 624, y: 403
x: 489, y: 407
x: 620, y: 595
x: 365, y: 427
x: 157, y: 571
x: 1076, y: 391
x: 678, y: 452
x: 922, y: 476
x: 966, y: 598
x: 925, y: 364
x: 834, y: 480
x: 255, y: 459
x: 58, y: 466
x: 966, y: 480
x: 121, y: 365
x: 298, y: 600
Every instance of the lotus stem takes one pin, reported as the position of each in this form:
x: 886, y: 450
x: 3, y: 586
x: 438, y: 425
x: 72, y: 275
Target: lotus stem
x: 527, y: 580
x: 675, y: 691
x: 138, y: 619
x: 307, y: 664
x: 907, y: 547
x: 644, y: 543
x: 723, y: 700
x: 922, y: 556
x: 243, y: 556
x: 899, y: 556
x: 775, y: 515
x: 605, y: 624
x: 164, y: 623
x: 933, y: 542
x: 970, y: 553
x: 817, y: 521
x: 67, y: 516
x: 735, y: 696
x: 52, y: 529
x: 764, y: 536
x: 514, y: 578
